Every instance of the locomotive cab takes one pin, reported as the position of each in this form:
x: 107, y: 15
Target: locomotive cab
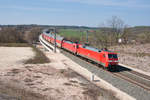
x: 112, y: 60
x: 109, y: 60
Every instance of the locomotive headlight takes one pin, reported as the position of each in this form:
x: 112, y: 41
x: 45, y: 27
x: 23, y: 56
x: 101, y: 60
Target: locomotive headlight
x: 113, y: 61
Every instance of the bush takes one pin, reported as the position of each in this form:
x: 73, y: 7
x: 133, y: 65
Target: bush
x: 11, y: 35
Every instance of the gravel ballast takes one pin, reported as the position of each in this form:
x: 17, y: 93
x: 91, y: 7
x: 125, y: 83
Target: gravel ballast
x: 129, y: 88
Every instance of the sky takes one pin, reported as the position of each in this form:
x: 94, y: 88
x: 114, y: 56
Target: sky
x: 74, y: 12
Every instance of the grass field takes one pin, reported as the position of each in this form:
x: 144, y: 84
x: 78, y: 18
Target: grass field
x: 75, y: 35
x: 69, y: 33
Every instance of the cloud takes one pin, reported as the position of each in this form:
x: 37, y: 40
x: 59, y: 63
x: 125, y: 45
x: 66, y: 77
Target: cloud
x: 32, y: 8
x: 123, y: 3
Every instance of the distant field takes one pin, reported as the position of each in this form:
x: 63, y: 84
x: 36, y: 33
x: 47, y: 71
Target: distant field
x: 72, y: 33
x: 75, y: 34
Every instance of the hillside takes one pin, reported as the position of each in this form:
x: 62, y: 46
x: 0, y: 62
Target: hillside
x: 140, y: 29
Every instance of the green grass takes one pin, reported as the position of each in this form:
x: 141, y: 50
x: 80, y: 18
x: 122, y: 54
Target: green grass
x: 69, y: 33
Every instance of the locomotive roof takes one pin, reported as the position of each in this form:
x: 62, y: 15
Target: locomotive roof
x: 92, y: 48
x: 95, y: 49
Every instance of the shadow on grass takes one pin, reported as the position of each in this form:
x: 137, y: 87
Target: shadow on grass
x: 39, y: 57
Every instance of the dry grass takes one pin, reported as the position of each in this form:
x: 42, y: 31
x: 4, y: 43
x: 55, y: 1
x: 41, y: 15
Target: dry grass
x: 96, y: 93
x: 136, y: 54
x: 92, y: 93
x: 14, y: 45
x: 39, y: 57
x: 70, y: 73
x: 73, y: 81
x: 139, y: 54
x: 20, y: 94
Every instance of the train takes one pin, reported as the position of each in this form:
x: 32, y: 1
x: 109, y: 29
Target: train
x: 104, y: 57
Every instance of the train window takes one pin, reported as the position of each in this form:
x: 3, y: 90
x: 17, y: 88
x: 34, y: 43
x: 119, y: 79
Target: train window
x: 83, y: 46
x: 110, y: 55
x: 99, y: 50
x: 115, y: 56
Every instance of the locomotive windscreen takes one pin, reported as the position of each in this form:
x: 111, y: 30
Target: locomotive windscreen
x: 112, y: 56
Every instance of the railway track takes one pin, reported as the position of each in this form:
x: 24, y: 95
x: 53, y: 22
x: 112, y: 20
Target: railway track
x: 131, y: 76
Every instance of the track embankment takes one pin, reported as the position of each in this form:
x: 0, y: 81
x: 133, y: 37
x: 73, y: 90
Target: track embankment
x: 88, y: 70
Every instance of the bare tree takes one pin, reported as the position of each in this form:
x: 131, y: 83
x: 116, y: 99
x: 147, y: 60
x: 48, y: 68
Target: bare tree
x: 32, y: 35
x: 109, y: 33
x: 117, y: 26
x: 99, y: 39
x: 10, y: 35
x: 111, y: 30
x: 126, y: 34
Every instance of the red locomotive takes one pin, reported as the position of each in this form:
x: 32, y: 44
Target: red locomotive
x: 107, y: 59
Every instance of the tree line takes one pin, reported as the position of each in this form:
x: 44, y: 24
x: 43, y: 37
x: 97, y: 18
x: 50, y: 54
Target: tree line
x: 106, y: 35
x: 17, y: 35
